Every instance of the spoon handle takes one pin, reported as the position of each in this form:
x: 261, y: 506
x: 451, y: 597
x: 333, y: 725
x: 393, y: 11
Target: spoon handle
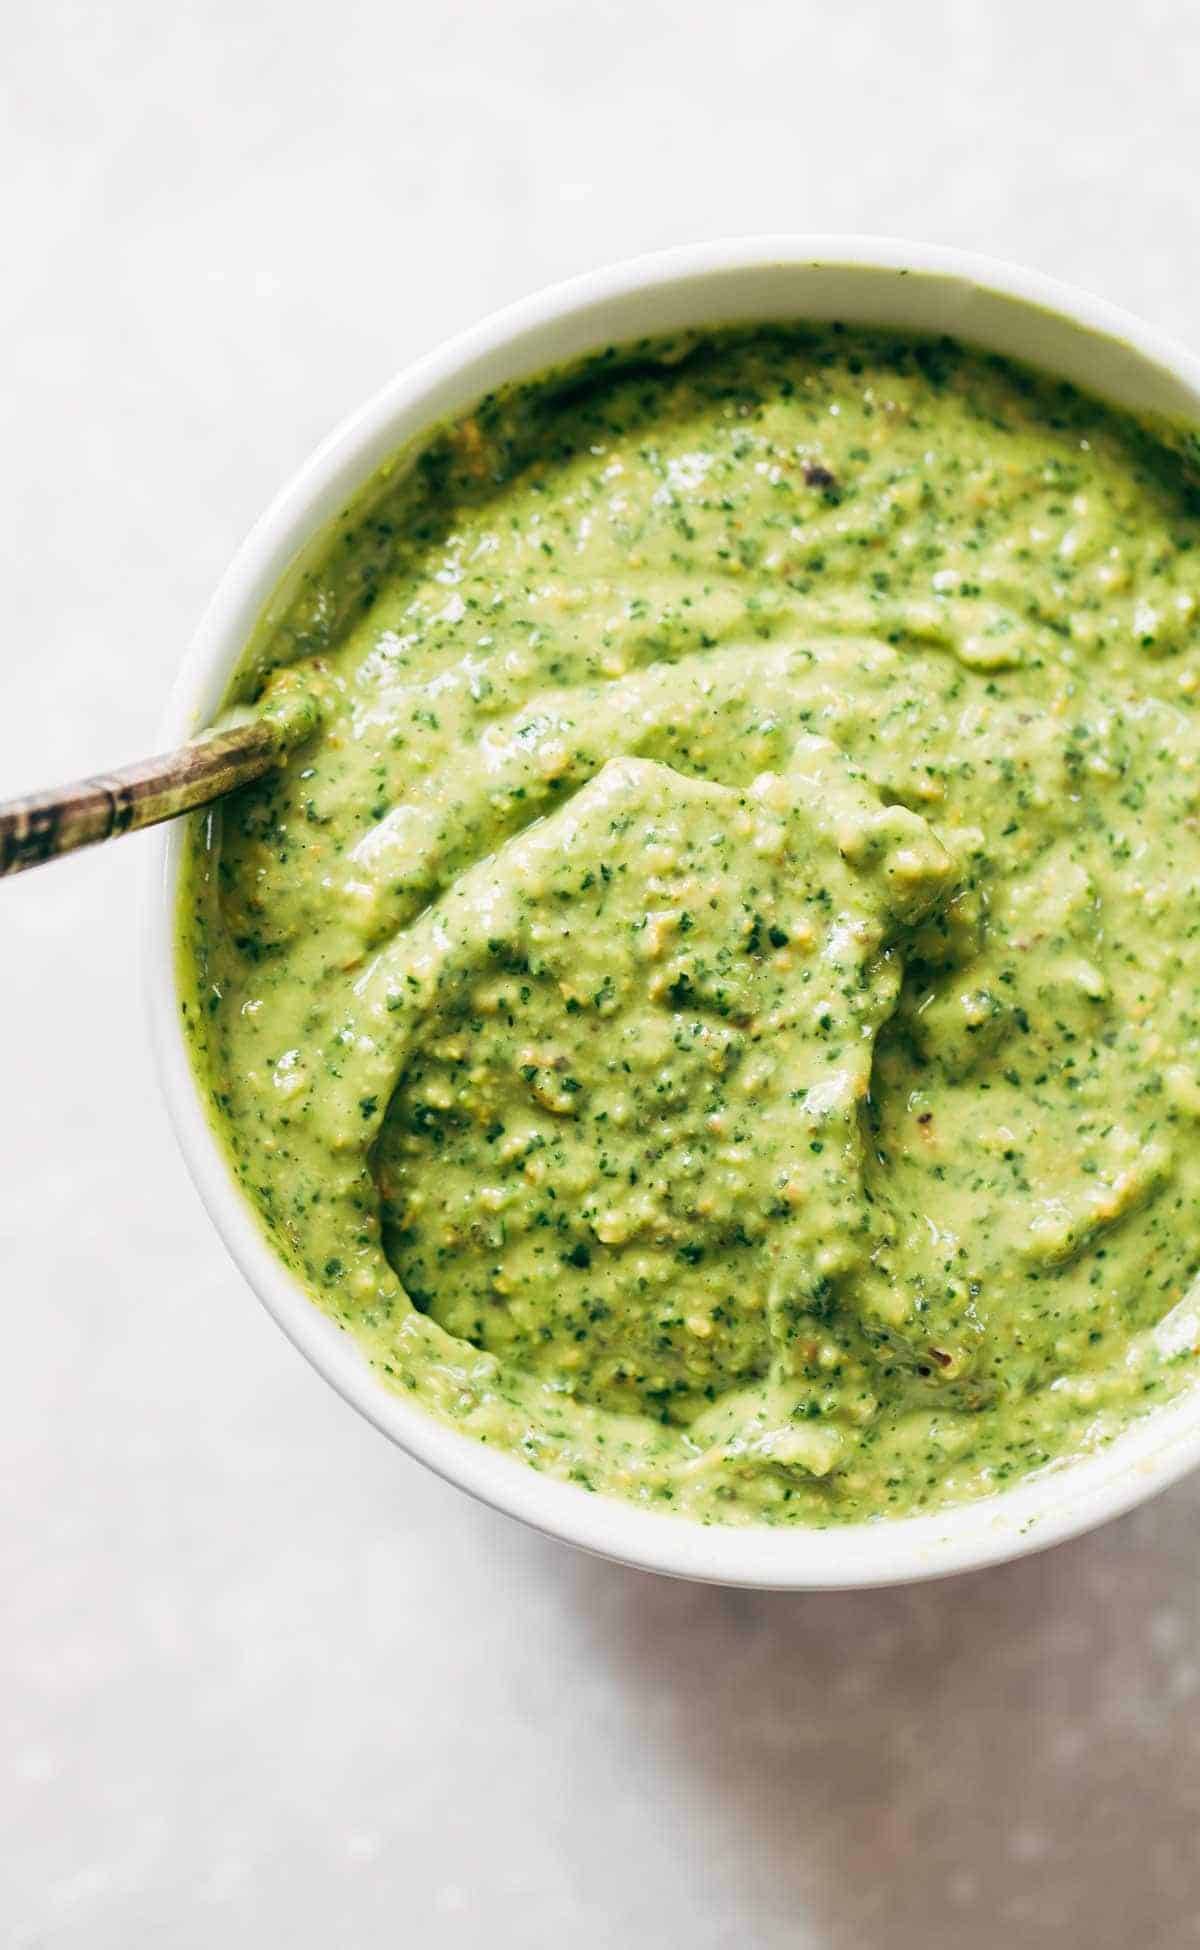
x: 44, y: 825
x: 47, y: 824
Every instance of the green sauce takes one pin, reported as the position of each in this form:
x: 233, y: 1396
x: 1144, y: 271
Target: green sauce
x: 715, y: 1008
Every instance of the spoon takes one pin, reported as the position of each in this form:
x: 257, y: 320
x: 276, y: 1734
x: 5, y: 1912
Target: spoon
x: 44, y: 825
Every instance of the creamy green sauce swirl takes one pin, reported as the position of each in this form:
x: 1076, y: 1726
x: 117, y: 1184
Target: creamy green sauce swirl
x: 715, y: 1008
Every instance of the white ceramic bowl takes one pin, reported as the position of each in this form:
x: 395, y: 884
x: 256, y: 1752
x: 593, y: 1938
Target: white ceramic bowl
x: 857, y: 279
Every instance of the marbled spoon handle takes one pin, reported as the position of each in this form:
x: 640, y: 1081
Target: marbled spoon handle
x: 47, y: 824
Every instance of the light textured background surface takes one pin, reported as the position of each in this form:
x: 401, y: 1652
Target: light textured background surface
x: 264, y: 1681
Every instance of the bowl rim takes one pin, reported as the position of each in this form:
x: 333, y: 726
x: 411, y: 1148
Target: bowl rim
x: 1039, y: 1511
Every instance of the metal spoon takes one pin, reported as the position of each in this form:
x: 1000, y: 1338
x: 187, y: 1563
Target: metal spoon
x: 43, y: 825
